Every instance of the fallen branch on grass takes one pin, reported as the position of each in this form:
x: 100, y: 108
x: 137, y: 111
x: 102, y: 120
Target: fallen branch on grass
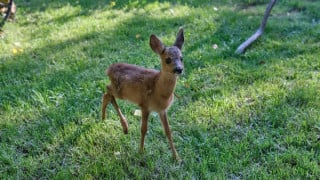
x: 259, y: 32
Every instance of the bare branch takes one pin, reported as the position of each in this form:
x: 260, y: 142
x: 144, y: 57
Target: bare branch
x: 260, y: 30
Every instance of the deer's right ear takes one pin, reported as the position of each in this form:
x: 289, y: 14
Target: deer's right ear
x: 156, y: 45
x: 180, y: 39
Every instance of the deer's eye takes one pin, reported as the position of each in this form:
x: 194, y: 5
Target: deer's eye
x: 168, y: 60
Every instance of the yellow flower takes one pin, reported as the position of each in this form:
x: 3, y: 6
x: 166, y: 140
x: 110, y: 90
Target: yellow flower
x: 17, y: 50
x: 112, y: 3
x: 14, y: 50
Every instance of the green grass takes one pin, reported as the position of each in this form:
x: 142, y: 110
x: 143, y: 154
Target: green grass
x: 251, y: 116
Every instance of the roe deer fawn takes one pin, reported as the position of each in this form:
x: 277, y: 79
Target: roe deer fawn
x: 150, y: 89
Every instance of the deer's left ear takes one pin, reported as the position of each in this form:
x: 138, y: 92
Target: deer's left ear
x: 180, y: 39
x: 156, y: 45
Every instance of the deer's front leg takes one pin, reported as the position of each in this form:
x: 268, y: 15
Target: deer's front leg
x: 165, y: 123
x: 144, y: 127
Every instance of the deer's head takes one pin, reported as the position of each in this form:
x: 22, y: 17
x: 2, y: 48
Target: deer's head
x: 171, y: 57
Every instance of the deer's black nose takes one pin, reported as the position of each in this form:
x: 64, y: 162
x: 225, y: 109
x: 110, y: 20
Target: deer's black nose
x: 177, y: 70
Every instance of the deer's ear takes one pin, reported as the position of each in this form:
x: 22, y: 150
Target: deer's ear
x: 156, y: 45
x: 180, y: 39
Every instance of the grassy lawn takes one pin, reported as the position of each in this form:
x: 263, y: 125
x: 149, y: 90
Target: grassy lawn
x: 251, y: 116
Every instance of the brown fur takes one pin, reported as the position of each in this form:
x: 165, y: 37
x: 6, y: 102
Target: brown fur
x: 150, y: 89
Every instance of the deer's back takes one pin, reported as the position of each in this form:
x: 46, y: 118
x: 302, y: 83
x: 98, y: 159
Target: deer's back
x: 131, y: 82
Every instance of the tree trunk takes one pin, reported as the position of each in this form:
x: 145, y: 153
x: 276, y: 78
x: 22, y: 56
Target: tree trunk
x: 8, y: 13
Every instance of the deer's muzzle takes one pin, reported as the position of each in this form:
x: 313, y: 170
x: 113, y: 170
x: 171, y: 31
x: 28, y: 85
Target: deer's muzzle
x: 177, y: 70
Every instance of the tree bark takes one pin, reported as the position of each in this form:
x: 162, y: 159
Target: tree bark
x: 241, y: 49
x: 7, y: 15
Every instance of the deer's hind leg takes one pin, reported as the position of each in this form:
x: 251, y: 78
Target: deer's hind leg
x: 105, y: 101
x: 123, y: 120
x: 108, y: 97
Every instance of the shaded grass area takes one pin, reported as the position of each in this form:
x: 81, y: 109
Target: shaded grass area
x: 236, y: 117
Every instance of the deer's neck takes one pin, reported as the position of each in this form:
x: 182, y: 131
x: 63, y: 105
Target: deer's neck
x: 166, y: 84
